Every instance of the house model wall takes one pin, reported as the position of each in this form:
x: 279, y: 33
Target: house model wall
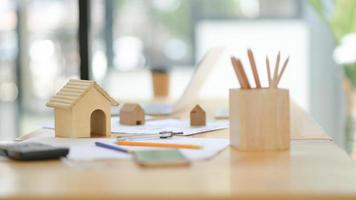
x: 132, y: 114
x: 197, y: 116
x: 82, y: 109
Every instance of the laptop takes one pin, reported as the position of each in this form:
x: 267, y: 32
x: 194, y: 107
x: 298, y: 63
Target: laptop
x: 190, y: 94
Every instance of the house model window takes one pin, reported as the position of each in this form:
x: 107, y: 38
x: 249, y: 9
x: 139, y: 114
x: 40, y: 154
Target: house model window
x: 82, y: 109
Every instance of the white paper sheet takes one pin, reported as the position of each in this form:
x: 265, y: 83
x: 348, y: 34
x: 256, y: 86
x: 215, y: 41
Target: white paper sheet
x: 156, y: 126
x: 85, y: 149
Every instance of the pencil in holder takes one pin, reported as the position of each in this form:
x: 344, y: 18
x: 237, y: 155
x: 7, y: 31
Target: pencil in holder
x: 259, y: 119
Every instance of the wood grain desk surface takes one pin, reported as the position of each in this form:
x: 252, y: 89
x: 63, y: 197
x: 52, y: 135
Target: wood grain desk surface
x: 314, y: 168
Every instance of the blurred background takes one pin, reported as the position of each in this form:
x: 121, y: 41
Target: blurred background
x: 118, y: 43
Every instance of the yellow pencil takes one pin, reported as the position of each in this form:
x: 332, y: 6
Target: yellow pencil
x: 164, y: 145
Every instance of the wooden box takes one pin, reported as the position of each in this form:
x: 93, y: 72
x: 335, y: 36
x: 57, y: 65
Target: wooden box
x: 259, y: 119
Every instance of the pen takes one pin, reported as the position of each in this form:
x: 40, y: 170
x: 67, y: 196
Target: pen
x: 112, y: 147
x: 160, y: 135
x: 164, y: 145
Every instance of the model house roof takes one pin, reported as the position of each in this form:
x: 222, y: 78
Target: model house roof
x: 74, y: 90
x: 130, y: 107
x: 197, y: 108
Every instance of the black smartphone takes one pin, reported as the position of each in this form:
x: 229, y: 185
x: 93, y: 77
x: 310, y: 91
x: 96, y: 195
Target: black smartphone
x: 32, y: 151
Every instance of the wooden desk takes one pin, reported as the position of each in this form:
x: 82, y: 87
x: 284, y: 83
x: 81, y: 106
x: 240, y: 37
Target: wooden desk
x: 313, y: 169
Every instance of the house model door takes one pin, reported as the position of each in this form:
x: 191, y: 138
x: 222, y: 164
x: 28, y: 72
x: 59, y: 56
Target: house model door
x: 97, y: 123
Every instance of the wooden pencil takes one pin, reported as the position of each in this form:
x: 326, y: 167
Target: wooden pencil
x: 238, y: 75
x: 275, y: 76
x: 254, y: 68
x: 240, y: 70
x: 268, y: 72
x: 282, y: 71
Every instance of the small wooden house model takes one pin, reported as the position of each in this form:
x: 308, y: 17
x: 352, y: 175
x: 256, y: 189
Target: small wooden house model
x: 132, y: 114
x: 197, y: 116
x: 82, y: 109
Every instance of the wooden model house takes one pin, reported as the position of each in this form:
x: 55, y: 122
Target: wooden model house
x: 132, y: 114
x: 82, y: 109
x: 197, y: 116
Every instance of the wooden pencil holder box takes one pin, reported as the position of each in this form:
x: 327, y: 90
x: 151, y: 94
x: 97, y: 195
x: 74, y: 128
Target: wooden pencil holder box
x: 259, y: 119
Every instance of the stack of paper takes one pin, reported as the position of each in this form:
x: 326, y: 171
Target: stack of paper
x: 175, y: 125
